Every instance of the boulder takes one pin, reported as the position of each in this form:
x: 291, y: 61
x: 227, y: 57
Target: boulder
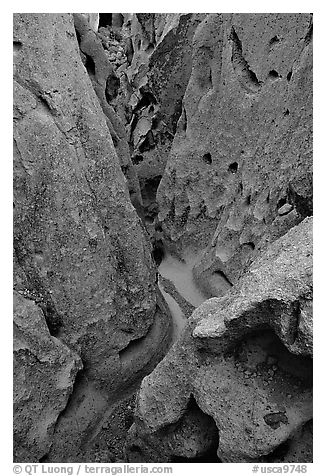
x: 245, y: 359
x: 44, y: 375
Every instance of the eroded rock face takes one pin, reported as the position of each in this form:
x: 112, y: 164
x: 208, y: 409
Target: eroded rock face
x: 106, y: 85
x: 153, y: 81
x: 245, y: 359
x: 239, y: 174
x: 77, y: 237
x: 44, y: 375
x: 220, y: 105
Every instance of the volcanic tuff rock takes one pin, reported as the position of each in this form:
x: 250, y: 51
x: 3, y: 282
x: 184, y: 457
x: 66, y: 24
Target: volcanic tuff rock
x: 218, y: 106
x: 243, y: 147
x: 153, y: 79
x: 106, y: 85
x: 159, y: 72
x: 79, y: 245
x: 262, y: 331
x: 44, y: 374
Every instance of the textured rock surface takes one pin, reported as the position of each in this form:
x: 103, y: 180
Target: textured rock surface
x: 244, y: 143
x: 159, y: 72
x: 44, y: 374
x: 80, y: 250
x: 76, y: 232
x: 153, y: 81
x: 106, y: 85
x: 220, y: 106
x: 245, y: 360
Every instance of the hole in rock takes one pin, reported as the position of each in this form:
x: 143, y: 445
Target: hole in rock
x: 137, y: 159
x: 52, y: 318
x: 273, y: 75
x: 289, y: 76
x: 105, y: 20
x: 250, y: 244
x: 44, y: 459
x: 207, y: 158
x: 150, y: 48
x: 248, y: 200
x: 45, y: 103
x: 115, y: 140
x: 17, y: 45
x: 286, y: 113
x: 183, y: 119
x: 146, y: 100
x: 199, y: 433
x: 274, y: 40
x: 90, y: 65
x: 262, y: 352
x: 158, y: 252
x: 233, y: 168
x: 281, y: 202
x: 149, y: 219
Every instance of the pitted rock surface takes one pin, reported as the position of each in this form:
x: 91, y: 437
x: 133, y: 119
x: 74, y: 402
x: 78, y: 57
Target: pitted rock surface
x: 244, y: 358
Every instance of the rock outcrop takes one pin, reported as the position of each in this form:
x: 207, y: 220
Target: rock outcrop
x: 239, y: 174
x: 80, y: 248
x: 245, y: 359
x: 151, y: 53
x: 106, y: 85
x: 159, y: 160
x: 44, y: 375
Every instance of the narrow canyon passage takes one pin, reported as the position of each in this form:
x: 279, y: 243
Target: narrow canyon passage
x: 179, y: 272
x: 162, y: 237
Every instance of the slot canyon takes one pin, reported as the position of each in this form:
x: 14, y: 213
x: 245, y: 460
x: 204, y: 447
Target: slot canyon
x: 162, y: 237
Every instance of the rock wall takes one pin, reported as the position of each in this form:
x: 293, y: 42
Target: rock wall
x: 243, y: 364
x: 106, y: 85
x: 151, y: 54
x: 80, y: 249
x: 44, y: 375
x: 237, y: 189
x: 239, y: 174
x: 141, y: 136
